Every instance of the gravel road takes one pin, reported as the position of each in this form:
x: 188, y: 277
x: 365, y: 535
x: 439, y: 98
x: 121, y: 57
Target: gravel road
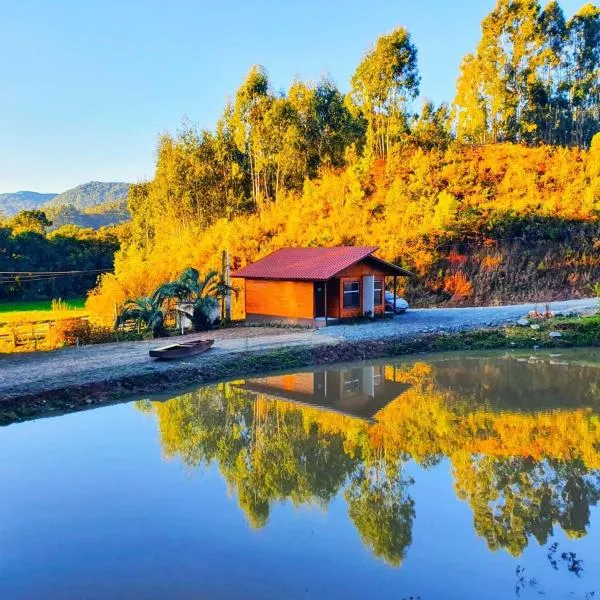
x: 33, y: 373
x: 429, y: 320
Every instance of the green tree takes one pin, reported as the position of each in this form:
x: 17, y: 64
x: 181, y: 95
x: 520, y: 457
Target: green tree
x: 432, y: 128
x: 583, y: 66
x: 252, y: 101
x: 533, y: 78
x: 493, y: 83
x: 30, y: 221
x: 548, y: 105
x: 383, y: 85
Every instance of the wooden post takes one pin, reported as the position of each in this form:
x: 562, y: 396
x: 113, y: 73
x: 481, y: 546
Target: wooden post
x: 226, y: 300
x: 325, y: 296
x: 395, y: 277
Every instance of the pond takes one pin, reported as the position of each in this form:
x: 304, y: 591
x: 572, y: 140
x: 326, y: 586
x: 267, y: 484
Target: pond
x: 443, y: 476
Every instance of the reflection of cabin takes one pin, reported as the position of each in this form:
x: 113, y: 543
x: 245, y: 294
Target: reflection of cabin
x: 312, y: 285
x: 354, y: 391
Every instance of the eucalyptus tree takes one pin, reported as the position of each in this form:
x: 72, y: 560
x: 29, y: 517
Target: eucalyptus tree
x: 583, y: 67
x: 253, y: 100
x: 383, y: 85
x: 533, y: 78
x: 493, y: 81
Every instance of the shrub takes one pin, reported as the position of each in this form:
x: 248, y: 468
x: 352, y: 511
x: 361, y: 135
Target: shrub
x: 70, y: 332
x: 457, y: 285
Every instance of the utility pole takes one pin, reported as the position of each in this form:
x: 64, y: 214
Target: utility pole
x: 225, y: 275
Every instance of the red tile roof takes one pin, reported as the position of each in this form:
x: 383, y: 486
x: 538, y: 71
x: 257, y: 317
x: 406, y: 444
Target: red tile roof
x: 311, y: 264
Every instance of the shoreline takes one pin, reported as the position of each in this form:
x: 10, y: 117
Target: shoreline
x: 174, y: 378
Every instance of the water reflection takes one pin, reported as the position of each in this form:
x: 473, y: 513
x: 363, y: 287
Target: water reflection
x: 522, y: 437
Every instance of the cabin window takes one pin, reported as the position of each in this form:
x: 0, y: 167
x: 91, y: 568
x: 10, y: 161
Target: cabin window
x: 352, y: 294
x: 351, y: 380
x: 378, y: 292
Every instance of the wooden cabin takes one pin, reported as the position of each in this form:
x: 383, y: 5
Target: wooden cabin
x: 317, y: 285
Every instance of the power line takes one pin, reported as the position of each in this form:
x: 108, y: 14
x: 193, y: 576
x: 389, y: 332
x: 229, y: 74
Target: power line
x: 47, y: 276
x: 8, y: 277
x: 34, y: 273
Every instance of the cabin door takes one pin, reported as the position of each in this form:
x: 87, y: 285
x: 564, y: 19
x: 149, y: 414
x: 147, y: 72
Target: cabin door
x: 320, y: 298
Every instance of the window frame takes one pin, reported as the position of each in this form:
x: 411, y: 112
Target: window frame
x: 351, y: 381
x: 345, y: 293
x: 376, y: 291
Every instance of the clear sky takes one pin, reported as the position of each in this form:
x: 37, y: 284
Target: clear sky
x: 86, y: 86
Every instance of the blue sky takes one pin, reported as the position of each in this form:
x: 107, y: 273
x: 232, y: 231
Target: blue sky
x: 86, y: 86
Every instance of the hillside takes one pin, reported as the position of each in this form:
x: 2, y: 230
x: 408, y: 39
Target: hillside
x: 93, y: 193
x: 94, y: 217
x: 493, y: 224
x: 12, y: 203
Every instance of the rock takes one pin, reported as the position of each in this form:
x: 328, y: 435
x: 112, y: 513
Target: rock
x: 88, y: 401
x: 535, y: 326
x: 555, y: 334
x: 536, y: 347
x: 523, y: 322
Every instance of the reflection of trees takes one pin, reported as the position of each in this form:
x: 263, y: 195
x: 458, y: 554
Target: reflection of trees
x: 383, y: 512
x: 514, y: 498
x: 272, y: 451
x: 522, y: 473
x: 518, y: 384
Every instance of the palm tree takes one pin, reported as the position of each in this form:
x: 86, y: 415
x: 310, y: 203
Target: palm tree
x: 198, y: 297
x: 143, y: 311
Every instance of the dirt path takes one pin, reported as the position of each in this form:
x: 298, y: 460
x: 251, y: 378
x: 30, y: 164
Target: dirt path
x: 24, y: 374
x: 105, y: 365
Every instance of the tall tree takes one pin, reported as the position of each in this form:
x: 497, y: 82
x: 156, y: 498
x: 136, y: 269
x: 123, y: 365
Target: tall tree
x: 384, y: 83
x: 325, y: 127
x: 252, y: 102
x: 499, y: 72
x: 583, y: 64
x: 533, y: 78
x: 548, y: 102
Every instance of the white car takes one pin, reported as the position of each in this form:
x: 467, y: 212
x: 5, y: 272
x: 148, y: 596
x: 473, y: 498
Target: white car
x: 401, y: 303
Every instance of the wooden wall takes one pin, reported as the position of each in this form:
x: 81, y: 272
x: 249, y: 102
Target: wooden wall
x: 294, y: 299
x: 333, y: 298
x: 303, y: 383
x: 355, y: 273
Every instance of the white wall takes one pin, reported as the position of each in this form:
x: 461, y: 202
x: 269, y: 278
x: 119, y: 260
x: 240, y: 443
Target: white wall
x: 368, y: 286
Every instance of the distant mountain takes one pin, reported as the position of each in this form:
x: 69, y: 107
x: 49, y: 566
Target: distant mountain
x: 11, y: 204
x: 91, y: 194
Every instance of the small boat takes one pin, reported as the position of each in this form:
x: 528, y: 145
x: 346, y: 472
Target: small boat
x: 182, y: 349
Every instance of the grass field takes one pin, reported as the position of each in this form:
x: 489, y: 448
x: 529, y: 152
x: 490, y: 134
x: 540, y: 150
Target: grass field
x: 37, y: 305
x: 25, y: 313
x: 25, y: 325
